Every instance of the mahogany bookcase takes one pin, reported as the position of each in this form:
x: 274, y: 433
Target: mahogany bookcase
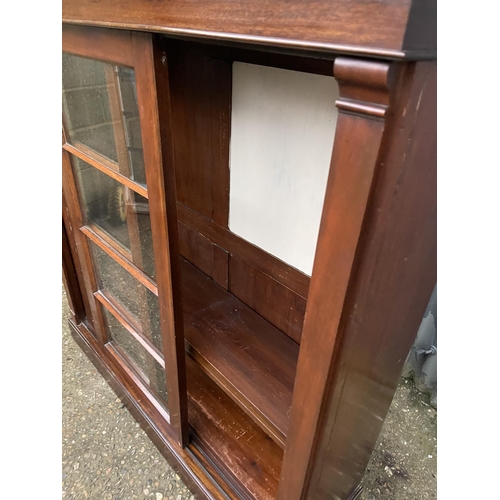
x: 255, y: 379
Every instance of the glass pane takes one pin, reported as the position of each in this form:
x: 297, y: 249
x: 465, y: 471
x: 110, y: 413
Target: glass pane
x: 144, y: 364
x: 100, y: 111
x: 118, y: 211
x: 134, y: 297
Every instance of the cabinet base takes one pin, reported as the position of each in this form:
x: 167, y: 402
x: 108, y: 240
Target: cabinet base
x: 201, y: 478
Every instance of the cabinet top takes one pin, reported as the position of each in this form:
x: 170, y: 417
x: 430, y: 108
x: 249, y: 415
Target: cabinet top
x: 394, y: 29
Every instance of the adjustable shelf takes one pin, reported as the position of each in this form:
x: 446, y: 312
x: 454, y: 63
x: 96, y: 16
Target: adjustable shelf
x: 250, y: 359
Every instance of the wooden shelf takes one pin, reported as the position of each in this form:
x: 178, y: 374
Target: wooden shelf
x: 250, y: 359
x: 238, y: 448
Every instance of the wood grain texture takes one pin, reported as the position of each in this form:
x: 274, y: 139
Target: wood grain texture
x: 287, y: 275
x: 189, y: 80
x: 221, y: 98
x: 393, y: 277
x: 105, y: 165
x: 156, y: 142
x: 273, y: 301
x: 246, y: 356
x: 204, y: 254
x: 200, y: 89
x: 240, y: 448
x: 367, y: 27
x: 103, y: 44
x: 349, y: 183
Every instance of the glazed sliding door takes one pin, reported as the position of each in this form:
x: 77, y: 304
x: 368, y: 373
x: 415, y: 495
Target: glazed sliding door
x: 118, y: 212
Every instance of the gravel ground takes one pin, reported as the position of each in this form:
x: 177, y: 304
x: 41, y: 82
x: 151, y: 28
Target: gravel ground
x: 107, y: 456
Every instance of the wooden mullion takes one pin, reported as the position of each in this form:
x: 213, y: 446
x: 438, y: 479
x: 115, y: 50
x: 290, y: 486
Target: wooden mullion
x: 153, y: 110
x: 120, y: 259
x: 124, y: 318
x: 105, y: 165
x: 110, y: 240
x: 82, y: 248
x: 104, y: 294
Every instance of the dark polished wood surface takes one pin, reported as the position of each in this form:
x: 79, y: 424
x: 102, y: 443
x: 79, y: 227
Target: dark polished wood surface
x: 237, y: 444
x: 278, y: 304
x: 366, y: 27
x: 393, y: 277
x: 247, y: 356
x: 277, y: 359
x: 285, y: 274
x: 364, y: 98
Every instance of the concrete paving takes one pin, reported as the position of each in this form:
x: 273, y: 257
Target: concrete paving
x: 107, y: 456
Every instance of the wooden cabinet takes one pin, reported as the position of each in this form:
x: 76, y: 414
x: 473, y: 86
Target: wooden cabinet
x: 249, y: 227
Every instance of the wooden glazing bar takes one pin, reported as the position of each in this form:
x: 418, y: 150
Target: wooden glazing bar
x: 105, y: 165
x: 120, y: 259
x: 116, y: 352
x: 130, y: 325
x: 110, y: 241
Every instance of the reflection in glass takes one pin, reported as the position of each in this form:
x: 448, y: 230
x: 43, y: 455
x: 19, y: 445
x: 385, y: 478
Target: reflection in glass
x: 118, y: 211
x: 134, y: 297
x: 143, y: 363
x: 101, y: 112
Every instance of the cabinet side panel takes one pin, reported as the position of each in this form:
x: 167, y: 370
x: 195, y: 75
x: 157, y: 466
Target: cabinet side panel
x: 365, y: 88
x: 393, y: 275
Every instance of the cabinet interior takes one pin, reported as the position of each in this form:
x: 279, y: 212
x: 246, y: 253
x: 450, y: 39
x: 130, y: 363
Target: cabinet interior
x: 243, y: 307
